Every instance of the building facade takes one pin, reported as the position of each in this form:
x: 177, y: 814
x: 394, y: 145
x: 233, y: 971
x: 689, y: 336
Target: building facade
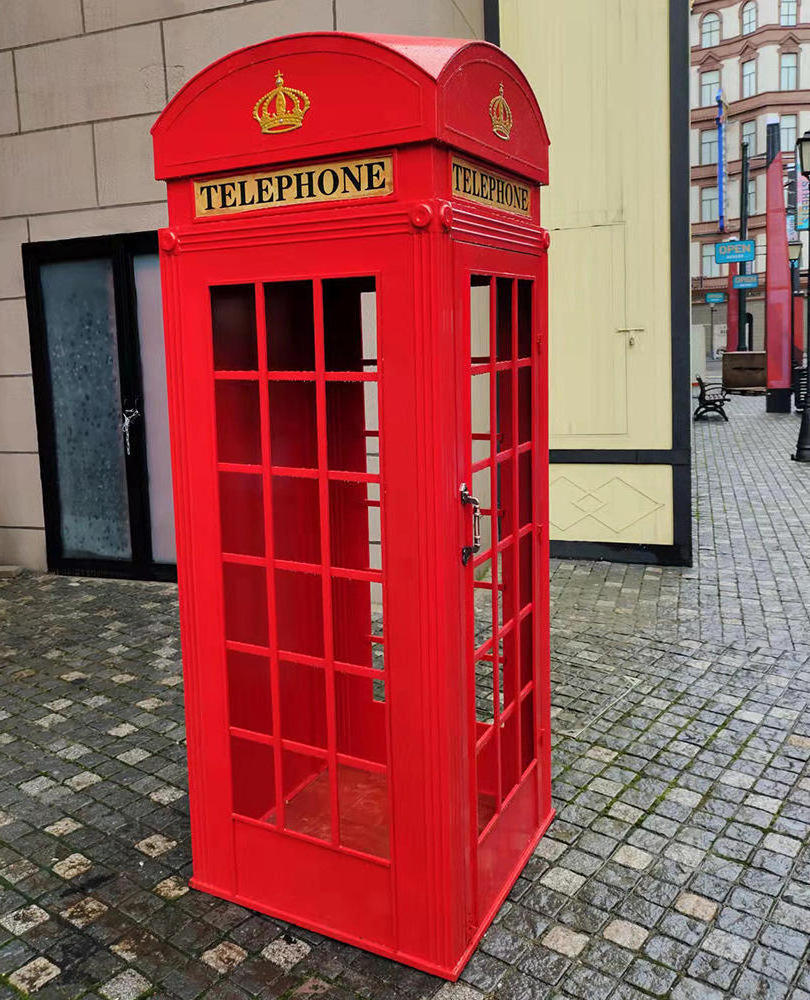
x: 757, y: 54
x: 617, y: 208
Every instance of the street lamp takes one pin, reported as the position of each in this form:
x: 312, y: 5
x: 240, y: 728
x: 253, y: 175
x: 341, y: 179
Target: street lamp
x: 802, y: 453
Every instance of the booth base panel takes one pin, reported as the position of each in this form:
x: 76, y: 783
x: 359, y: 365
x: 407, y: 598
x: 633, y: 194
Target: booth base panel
x: 450, y: 973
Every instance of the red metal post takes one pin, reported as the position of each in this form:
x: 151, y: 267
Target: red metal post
x: 733, y: 320
x: 778, y: 292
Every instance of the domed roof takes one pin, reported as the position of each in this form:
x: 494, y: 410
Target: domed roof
x: 355, y: 92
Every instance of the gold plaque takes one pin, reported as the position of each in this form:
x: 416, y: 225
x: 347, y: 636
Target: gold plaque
x: 342, y: 180
x: 501, y: 115
x: 488, y: 187
x: 281, y: 110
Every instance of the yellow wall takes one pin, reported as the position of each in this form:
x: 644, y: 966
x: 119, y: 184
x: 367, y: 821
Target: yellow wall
x: 600, y: 69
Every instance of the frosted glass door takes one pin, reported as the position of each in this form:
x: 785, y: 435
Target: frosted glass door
x: 82, y: 348
x: 155, y: 406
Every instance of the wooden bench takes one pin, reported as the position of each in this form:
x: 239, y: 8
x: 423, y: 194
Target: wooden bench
x: 711, y: 399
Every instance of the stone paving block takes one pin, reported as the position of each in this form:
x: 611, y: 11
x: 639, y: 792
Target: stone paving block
x: 565, y: 941
x: 32, y: 976
x: 726, y: 945
x: 632, y: 857
x: 696, y: 906
x: 127, y: 985
x: 626, y: 934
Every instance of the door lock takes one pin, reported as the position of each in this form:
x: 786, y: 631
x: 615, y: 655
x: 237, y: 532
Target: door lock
x: 469, y: 500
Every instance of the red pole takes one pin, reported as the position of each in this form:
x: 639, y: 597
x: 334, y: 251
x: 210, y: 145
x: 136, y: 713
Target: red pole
x: 778, y: 292
x: 733, y: 320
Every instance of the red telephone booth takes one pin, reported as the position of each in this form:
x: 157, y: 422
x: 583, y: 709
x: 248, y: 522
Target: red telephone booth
x: 354, y: 282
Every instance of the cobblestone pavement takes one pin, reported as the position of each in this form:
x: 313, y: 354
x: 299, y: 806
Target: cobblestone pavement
x: 678, y: 866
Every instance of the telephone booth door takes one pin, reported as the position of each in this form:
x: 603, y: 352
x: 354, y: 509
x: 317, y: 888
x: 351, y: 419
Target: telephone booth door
x: 289, y: 397
x: 506, y: 594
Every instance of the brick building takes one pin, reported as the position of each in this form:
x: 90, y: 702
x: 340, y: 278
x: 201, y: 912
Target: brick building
x: 757, y: 53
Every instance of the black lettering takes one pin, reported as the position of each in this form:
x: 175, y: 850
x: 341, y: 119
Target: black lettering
x: 208, y: 188
x: 467, y: 178
x: 355, y: 178
x: 302, y: 177
x: 264, y: 190
x: 524, y: 199
x: 333, y: 177
x: 285, y: 182
x: 500, y: 191
x: 243, y: 200
x: 456, y: 176
x: 227, y: 198
x: 375, y: 175
x: 509, y: 194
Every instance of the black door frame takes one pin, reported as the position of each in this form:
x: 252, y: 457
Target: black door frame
x: 120, y: 250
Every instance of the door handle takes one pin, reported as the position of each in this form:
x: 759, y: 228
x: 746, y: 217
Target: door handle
x: 469, y: 500
x: 126, y: 419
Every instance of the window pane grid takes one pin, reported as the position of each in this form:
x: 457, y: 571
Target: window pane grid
x: 318, y: 790
x: 496, y: 662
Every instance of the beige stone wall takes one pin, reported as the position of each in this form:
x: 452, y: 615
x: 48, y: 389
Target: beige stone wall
x: 81, y: 82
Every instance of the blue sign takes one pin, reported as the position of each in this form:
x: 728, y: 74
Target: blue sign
x: 735, y: 251
x: 715, y: 297
x: 745, y: 281
x: 720, y: 121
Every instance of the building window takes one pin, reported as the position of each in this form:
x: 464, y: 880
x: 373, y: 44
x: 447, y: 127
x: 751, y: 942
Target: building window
x: 787, y: 130
x: 709, y: 86
x: 749, y: 135
x: 749, y: 18
x: 787, y: 12
x: 749, y: 78
x: 709, y: 204
x: 710, y: 30
x: 709, y: 266
x: 708, y: 146
x: 789, y: 71
x: 752, y: 197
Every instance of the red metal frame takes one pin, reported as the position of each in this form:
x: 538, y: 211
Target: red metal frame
x: 336, y: 763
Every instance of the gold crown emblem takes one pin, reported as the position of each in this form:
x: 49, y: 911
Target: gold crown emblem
x: 281, y: 110
x: 501, y: 115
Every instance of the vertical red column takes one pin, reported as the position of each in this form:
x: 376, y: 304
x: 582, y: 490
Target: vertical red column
x: 733, y: 320
x: 777, y: 288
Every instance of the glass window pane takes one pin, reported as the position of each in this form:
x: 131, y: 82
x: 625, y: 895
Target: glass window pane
x: 290, y: 326
x: 249, y: 698
x: 253, y: 779
x: 293, y: 425
x: 360, y: 717
x: 307, y: 806
x: 155, y: 406
x: 245, y: 590
x: 296, y: 519
x: 350, y: 324
x: 363, y: 804
x: 238, y: 436
x: 233, y: 327
x: 241, y: 513
x: 480, y: 295
x: 82, y: 345
x: 302, y: 696
x: 299, y: 612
